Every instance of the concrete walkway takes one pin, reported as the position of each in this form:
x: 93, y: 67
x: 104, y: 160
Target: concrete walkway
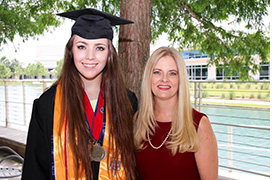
x: 13, y: 138
x: 236, y: 101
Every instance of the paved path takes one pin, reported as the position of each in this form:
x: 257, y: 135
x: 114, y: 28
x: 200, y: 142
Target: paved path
x: 13, y: 138
x: 236, y: 101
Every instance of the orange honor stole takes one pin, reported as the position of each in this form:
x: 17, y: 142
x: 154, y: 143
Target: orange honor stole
x: 63, y: 164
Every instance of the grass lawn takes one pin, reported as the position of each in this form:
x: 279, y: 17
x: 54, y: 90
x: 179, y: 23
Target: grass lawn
x: 224, y: 90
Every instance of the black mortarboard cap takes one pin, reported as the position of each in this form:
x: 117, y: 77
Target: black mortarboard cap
x: 93, y: 24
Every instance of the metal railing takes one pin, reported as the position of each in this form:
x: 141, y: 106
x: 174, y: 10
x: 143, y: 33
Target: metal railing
x: 16, y: 100
x: 243, y: 140
x: 198, y: 90
x: 244, y: 149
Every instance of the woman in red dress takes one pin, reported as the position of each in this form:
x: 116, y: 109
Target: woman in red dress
x: 173, y: 140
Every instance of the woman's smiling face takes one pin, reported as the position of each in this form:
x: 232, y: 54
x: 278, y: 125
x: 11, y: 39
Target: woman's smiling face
x: 90, y: 56
x: 165, y: 78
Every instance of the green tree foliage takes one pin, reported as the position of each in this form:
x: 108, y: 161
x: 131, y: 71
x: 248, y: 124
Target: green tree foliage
x: 37, y: 69
x: 4, y: 71
x: 30, y: 70
x: 25, y: 18
x: 190, y: 23
x: 29, y: 18
x: 5, y: 61
x: 18, y: 70
x: 14, y: 66
x: 58, y: 67
x: 198, y: 25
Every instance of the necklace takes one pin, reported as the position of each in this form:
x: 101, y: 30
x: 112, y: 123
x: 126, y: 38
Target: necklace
x: 161, y: 143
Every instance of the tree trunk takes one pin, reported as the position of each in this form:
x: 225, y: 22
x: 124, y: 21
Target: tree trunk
x: 134, y: 41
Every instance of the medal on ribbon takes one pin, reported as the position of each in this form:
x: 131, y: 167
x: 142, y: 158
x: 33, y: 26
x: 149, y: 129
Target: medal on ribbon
x: 96, y: 123
x: 98, y: 153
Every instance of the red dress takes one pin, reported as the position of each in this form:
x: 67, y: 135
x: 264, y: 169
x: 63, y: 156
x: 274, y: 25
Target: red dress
x: 154, y: 164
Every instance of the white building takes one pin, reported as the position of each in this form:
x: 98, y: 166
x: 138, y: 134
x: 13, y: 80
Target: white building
x: 196, y: 64
x: 48, y: 55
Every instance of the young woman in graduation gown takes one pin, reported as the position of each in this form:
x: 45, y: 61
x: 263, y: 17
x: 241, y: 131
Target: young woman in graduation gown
x: 81, y: 127
x: 173, y: 140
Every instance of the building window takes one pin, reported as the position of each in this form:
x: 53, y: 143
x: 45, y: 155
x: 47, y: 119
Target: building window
x: 193, y: 54
x: 264, y: 71
x: 223, y: 74
x: 197, y: 72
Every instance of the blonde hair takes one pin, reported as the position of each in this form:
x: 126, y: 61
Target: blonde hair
x: 183, y: 135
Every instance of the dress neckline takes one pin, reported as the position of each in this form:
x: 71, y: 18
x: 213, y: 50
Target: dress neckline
x: 159, y: 122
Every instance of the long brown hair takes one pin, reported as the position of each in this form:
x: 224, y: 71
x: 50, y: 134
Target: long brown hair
x: 119, y: 110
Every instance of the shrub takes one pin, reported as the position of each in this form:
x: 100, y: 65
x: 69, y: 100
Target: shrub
x: 205, y: 94
x: 259, y: 96
x: 267, y: 97
x: 231, y: 95
x: 252, y: 96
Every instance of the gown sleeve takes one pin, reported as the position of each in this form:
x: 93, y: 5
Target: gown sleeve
x: 36, y: 153
x: 37, y: 160
x: 133, y: 100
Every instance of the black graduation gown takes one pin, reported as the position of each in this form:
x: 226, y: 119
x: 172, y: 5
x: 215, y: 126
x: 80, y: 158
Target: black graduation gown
x: 38, y: 159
